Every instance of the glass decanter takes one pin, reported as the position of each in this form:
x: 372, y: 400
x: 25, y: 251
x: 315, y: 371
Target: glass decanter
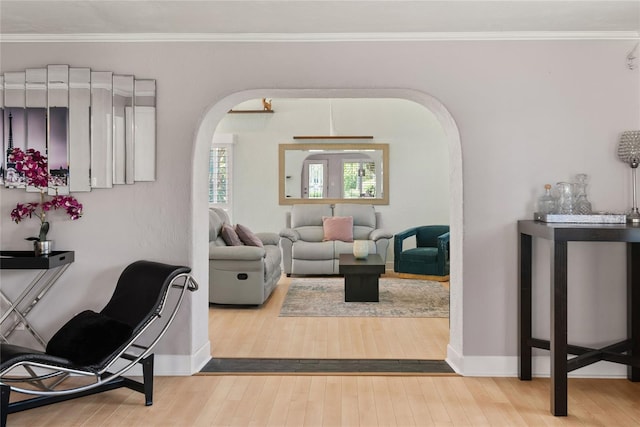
x: 581, y: 205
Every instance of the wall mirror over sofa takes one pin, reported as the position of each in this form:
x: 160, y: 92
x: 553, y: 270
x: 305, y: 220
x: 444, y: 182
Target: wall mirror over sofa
x: 334, y: 173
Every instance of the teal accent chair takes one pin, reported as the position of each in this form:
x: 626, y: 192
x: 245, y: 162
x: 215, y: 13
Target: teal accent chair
x: 429, y: 257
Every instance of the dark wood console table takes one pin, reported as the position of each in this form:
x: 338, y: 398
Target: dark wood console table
x: 626, y: 352
x: 51, y: 268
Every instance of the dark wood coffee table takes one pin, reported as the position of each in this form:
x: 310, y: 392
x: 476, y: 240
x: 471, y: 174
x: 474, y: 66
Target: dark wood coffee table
x: 361, y: 277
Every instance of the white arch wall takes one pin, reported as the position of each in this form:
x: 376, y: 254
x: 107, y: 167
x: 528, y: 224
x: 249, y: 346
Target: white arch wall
x: 219, y: 110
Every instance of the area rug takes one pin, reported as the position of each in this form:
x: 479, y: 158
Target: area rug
x: 324, y: 297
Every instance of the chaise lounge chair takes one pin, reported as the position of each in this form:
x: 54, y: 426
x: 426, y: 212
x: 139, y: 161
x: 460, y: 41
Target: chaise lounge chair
x: 100, y: 347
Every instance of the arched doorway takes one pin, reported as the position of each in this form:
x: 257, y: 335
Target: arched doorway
x: 199, y: 202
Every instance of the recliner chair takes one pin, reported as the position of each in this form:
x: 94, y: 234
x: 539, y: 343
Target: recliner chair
x: 429, y: 257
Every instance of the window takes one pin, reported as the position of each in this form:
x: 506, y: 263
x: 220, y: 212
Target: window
x: 358, y: 179
x: 220, y: 171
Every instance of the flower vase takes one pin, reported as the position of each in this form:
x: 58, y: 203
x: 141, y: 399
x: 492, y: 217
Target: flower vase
x: 42, y: 248
x: 360, y: 249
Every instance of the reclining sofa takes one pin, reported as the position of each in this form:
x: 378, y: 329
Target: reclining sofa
x: 241, y: 274
x: 305, y: 249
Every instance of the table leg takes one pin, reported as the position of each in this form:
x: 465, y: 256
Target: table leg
x: 524, y: 313
x: 559, y: 328
x: 633, y: 306
x: 361, y: 288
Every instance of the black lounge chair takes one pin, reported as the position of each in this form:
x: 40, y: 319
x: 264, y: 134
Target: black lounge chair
x: 100, y: 346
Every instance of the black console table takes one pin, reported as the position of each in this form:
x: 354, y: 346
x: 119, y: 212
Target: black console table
x: 52, y: 266
x: 626, y: 352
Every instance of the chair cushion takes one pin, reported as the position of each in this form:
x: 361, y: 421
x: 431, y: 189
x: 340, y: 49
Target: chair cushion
x: 88, y: 338
x: 426, y: 255
x: 338, y: 228
x: 230, y: 236
x: 247, y: 236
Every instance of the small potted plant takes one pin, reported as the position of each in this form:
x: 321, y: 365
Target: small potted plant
x: 34, y: 167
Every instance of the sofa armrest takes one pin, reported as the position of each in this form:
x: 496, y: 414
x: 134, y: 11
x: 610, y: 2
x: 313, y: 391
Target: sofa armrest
x: 237, y: 253
x: 269, y: 238
x: 399, y: 238
x: 380, y: 233
x: 290, y: 233
x: 443, y: 250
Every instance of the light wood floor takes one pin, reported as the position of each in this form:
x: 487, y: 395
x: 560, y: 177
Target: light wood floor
x: 259, y: 332
x: 346, y: 401
x: 329, y: 400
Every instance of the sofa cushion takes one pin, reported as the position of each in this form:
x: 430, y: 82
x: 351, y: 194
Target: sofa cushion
x: 230, y: 236
x: 309, y: 215
x: 364, y: 218
x: 88, y: 338
x: 247, y: 236
x: 215, y: 224
x: 312, y: 250
x: 337, y: 228
x: 428, y: 255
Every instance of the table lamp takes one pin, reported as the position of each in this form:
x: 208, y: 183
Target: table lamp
x: 629, y: 152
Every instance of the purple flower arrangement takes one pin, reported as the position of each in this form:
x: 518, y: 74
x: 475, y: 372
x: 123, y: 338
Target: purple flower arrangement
x: 34, y: 166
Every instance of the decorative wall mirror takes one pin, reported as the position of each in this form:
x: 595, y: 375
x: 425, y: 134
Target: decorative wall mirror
x: 96, y: 128
x: 333, y: 173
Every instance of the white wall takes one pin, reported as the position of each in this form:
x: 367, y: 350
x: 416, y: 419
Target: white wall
x: 528, y: 113
x: 418, y: 156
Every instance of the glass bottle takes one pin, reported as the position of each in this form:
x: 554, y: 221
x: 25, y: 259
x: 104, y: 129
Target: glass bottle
x: 581, y: 205
x: 546, y: 202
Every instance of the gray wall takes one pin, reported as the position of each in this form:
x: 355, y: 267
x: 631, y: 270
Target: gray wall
x: 528, y: 113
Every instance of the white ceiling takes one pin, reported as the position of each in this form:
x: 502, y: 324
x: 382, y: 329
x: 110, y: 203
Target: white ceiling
x: 607, y: 18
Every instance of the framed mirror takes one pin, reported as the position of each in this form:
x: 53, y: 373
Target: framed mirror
x: 334, y: 173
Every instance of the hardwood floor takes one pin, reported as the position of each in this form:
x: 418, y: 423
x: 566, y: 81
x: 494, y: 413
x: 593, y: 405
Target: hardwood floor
x: 309, y: 400
x: 330, y: 400
x: 259, y: 332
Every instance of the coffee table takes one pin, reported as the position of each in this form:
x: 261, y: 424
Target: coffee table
x: 361, y: 277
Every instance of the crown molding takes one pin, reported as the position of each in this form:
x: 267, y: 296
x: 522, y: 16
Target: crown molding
x: 318, y: 37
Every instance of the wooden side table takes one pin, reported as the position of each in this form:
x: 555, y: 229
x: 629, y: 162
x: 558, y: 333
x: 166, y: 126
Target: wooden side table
x: 51, y: 266
x: 361, y: 277
x: 626, y: 352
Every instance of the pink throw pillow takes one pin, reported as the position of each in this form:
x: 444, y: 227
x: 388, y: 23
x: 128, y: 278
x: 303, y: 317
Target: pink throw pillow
x: 247, y: 236
x: 230, y: 236
x: 338, y: 228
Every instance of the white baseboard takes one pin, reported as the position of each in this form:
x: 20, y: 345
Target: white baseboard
x: 507, y: 366
x: 176, y: 364
x: 183, y: 365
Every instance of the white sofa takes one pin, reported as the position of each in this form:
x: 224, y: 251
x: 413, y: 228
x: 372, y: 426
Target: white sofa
x: 303, y: 248
x: 243, y: 275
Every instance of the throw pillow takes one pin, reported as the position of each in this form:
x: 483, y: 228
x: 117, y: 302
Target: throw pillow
x: 88, y: 338
x: 247, y: 236
x: 230, y: 236
x: 338, y: 228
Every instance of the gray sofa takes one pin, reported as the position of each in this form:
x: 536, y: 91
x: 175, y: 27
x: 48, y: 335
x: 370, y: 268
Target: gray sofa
x: 303, y: 248
x: 244, y: 275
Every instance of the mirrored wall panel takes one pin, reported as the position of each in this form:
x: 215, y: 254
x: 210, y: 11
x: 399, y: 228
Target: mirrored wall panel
x: 36, y: 110
x: 97, y: 129
x: 79, y: 129
x: 15, y: 125
x: 145, y: 130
